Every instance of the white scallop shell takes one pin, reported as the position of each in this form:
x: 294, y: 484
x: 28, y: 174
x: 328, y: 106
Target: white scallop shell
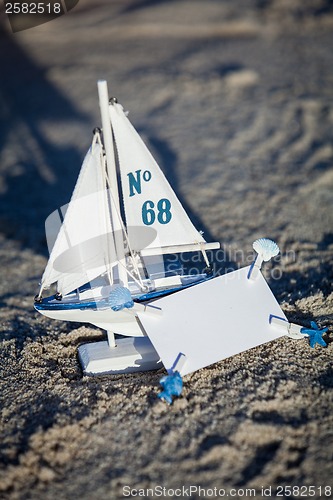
x: 120, y: 297
x: 266, y: 248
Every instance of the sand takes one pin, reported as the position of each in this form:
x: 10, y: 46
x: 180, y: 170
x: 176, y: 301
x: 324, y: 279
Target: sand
x: 236, y: 101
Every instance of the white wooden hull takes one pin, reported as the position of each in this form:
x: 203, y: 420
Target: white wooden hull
x: 122, y: 322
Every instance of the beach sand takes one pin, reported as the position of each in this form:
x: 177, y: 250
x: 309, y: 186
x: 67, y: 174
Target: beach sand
x: 235, y: 99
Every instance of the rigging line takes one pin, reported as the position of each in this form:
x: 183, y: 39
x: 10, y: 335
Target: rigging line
x: 40, y: 291
x: 108, y: 270
x: 97, y: 138
x: 136, y: 268
x: 140, y: 283
x: 125, y: 234
x: 115, y: 207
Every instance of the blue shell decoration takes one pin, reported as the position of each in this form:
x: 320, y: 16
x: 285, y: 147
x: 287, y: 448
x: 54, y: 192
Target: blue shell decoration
x: 266, y: 248
x: 172, y: 386
x: 120, y: 298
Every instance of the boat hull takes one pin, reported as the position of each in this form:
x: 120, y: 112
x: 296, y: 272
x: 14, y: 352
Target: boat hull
x: 122, y: 322
x: 99, y: 313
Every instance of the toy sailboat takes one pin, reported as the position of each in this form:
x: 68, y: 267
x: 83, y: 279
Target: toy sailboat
x: 107, y: 258
x: 107, y: 261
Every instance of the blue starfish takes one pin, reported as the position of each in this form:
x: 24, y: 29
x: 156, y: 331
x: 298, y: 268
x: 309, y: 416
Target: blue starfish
x: 172, y: 386
x: 315, y: 334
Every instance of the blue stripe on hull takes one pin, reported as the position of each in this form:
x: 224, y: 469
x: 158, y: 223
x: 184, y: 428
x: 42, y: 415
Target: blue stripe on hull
x: 47, y: 304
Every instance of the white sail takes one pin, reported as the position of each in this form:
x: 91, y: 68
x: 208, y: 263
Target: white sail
x: 149, y: 200
x: 84, y: 248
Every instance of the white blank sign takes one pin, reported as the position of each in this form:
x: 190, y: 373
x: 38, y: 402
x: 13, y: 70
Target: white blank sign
x: 213, y: 320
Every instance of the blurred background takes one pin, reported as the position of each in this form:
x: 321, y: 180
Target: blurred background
x: 234, y: 99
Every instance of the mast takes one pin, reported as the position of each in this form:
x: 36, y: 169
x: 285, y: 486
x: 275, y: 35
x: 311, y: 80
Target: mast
x: 112, y: 174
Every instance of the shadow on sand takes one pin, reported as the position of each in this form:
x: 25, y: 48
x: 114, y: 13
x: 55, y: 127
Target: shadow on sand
x: 37, y: 173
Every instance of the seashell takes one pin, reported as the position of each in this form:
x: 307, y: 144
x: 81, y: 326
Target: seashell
x: 119, y: 298
x: 266, y: 248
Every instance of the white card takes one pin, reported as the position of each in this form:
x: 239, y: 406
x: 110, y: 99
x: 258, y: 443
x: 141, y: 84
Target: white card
x: 213, y: 320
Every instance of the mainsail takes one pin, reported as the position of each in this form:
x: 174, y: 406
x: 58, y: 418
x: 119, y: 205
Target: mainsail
x: 84, y: 248
x: 149, y: 200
